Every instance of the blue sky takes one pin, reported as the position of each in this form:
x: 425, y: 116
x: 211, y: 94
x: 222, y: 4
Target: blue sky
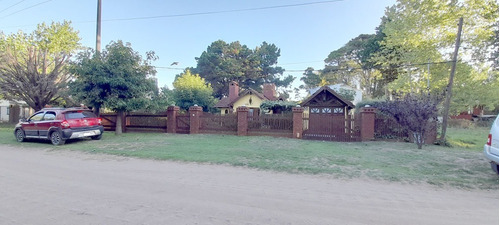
x: 305, y: 34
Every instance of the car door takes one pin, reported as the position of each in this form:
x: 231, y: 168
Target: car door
x: 45, y: 123
x: 30, y: 127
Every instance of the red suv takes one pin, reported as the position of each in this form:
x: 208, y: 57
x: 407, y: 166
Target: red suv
x: 59, y: 125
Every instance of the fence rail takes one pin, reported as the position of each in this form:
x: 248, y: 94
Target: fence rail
x: 271, y: 125
x: 217, y: 123
x: 108, y: 121
x: 137, y: 121
x: 387, y: 128
x: 320, y: 126
x: 268, y: 123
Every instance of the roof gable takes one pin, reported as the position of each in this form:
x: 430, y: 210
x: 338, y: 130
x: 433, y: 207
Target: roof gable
x: 227, y: 103
x: 325, y: 96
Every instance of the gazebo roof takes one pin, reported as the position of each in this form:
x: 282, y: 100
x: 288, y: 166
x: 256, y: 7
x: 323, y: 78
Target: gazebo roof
x: 314, y: 98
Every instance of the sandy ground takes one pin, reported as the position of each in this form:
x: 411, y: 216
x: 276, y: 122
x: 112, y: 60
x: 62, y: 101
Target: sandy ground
x: 62, y: 187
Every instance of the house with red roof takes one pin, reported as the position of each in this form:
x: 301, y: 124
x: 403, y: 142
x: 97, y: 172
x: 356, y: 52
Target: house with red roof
x: 249, y: 98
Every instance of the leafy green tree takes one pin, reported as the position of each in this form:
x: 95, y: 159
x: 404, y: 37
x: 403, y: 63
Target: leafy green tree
x: 352, y: 64
x: 347, y: 94
x: 160, y: 100
x: 310, y: 78
x: 90, y: 81
x: 191, y: 89
x: 33, y: 66
x: 474, y: 87
x: 417, y: 32
x: 117, y: 78
x: 222, y: 63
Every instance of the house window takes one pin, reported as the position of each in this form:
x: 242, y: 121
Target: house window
x: 226, y: 111
x: 314, y: 110
x: 8, y: 111
x: 326, y: 110
x: 338, y: 110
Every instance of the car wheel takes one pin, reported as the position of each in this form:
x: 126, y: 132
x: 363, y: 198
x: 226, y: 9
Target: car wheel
x: 97, y: 137
x: 494, y: 167
x: 56, y: 138
x: 20, y: 135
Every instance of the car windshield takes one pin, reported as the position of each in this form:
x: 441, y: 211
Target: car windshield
x: 79, y: 114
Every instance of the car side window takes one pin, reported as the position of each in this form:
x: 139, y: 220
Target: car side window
x: 36, y: 117
x: 49, y: 116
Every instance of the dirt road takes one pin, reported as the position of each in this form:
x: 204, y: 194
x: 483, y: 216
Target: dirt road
x: 62, y: 187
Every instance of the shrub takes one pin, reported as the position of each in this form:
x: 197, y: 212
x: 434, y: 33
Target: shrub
x: 416, y: 113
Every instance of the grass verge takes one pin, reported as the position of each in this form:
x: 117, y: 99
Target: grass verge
x: 460, y: 166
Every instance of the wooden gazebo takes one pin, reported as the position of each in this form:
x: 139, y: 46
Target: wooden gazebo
x: 329, y: 117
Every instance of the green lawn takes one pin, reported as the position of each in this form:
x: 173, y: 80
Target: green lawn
x: 462, y: 166
x: 472, y: 139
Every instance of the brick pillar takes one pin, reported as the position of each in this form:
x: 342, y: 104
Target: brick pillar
x: 172, y: 119
x: 298, y: 123
x: 367, y: 123
x: 431, y: 135
x: 194, y: 120
x: 242, y: 120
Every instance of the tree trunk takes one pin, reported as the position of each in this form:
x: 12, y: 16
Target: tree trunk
x: 97, y: 111
x: 418, y: 139
x: 119, y: 122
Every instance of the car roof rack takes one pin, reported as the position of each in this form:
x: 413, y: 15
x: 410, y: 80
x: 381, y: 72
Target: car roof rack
x: 53, y: 108
x: 62, y: 108
x: 79, y: 108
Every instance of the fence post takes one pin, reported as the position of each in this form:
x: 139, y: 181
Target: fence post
x: 127, y: 121
x: 367, y: 123
x: 242, y: 112
x: 172, y: 119
x: 298, y: 122
x: 194, y: 120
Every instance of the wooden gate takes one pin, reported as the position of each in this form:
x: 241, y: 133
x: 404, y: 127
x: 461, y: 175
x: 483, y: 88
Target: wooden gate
x: 108, y: 121
x: 182, y: 124
x: 331, y: 124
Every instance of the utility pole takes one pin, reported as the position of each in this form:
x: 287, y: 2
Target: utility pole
x: 98, y: 32
x: 97, y: 109
x: 447, y: 102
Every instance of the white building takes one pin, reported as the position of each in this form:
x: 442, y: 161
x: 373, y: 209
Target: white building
x: 5, y: 107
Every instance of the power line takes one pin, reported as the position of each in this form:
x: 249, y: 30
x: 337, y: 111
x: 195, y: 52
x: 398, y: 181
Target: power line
x: 12, y: 5
x: 368, y: 68
x: 223, y: 11
x: 169, y: 68
x: 295, y: 63
x: 206, y: 13
x: 29, y: 7
x: 341, y: 69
